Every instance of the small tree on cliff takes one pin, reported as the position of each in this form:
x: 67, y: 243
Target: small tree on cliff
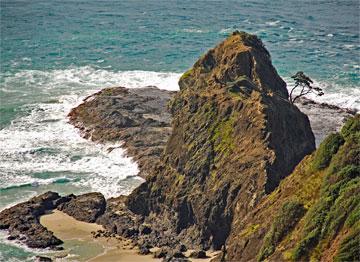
x: 305, y: 83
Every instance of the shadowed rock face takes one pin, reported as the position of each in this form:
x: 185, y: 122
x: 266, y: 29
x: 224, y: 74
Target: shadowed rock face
x: 234, y: 137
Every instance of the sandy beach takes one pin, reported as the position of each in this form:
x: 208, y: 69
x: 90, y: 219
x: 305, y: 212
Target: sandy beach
x: 80, y: 245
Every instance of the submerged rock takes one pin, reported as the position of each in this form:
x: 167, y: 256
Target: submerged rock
x: 235, y: 137
x: 22, y: 221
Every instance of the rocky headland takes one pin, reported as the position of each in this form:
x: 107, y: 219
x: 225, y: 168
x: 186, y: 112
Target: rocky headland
x: 230, y: 164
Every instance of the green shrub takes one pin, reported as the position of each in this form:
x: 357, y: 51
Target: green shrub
x: 349, y: 248
x: 349, y: 154
x: 327, y: 149
x: 351, y: 126
x: 291, y: 212
x: 339, y: 202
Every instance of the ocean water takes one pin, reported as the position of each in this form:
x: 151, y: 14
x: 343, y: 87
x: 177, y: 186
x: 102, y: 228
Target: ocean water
x: 54, y: 53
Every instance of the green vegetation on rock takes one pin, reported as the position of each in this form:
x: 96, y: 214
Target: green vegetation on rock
x: 339, y: 202
x: 351, y: 126
x: 349, y: 248
x: 314, y: 214
x: 290, y: 213
x: 326, y: 150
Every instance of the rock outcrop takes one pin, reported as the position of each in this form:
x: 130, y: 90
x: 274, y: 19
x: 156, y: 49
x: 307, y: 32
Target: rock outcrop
x: 235, y: 136
x: 22, y: 221
x: 137, y: 116
x: 314, y: 213
x: 324, y: 118
x: 87, y: 207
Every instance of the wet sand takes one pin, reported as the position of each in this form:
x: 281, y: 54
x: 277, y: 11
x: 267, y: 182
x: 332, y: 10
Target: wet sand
x: 80, y: 245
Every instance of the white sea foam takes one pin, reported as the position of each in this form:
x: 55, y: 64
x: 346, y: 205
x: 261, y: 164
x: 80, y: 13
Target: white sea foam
x: 194, y: 30
x: 18, y: 245
x: 42, y: 141
x: 87, y: 77
x: 342, y: 96
x: 226, y: 30
x: 348, y: 46
x: 272, y: 23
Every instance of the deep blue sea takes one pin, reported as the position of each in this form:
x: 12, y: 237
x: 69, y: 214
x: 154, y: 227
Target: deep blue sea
x: 53, y: 53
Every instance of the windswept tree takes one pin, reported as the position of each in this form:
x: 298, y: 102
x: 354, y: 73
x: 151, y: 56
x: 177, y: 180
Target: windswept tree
x: 305, y: 83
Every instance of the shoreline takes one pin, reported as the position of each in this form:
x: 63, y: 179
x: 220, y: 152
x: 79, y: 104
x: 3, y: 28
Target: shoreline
x: 81, y: 245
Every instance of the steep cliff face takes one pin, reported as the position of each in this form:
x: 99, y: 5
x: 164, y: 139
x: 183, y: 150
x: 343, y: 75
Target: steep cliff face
x: 235, y: 136
x: 314, y: 214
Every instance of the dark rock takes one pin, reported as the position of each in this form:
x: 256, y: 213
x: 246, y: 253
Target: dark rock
x: 198, y: 254
x: 145, y: 229
x: 143, y: 250
x: 22, y: 221
x: 160, y: 253
x: 178, y: 254
x: 13, y: 237
x: 130, y: 232
x: 64, y: 199
x: 57, y: 248
x: 87, y: 207
x: 136, y: 116
x: 42, y: 259
x: 182, y: 248
x: 118, y: 219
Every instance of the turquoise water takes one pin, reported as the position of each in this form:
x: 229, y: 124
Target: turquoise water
x: 53, y: 53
